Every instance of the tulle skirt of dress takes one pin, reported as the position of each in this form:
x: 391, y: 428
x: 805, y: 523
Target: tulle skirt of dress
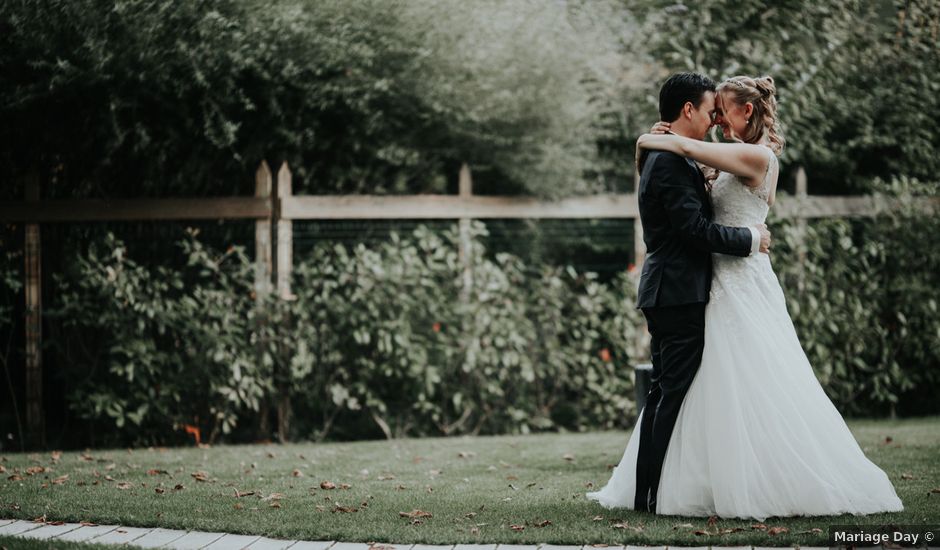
x: 756, y: 435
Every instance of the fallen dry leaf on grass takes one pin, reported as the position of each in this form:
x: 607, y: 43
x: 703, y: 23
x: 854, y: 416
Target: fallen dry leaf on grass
x: 777, y: 530
x: 87, y: 523
x: 327, y: 485
x: 297, y: 473
x: 543, y: 523
x: 33, y: 470
x: 344, y: 509
x: 154, y: 472
x: 568, y: 456
x: 60, y: 480
x: 716, y: 532
x: 200, y: 475
x: 517, y: 528
x: 906, y: 475
x: 415, y: 514
x: 159, y: 490
x: 124, y: 485
x: 385, y: 477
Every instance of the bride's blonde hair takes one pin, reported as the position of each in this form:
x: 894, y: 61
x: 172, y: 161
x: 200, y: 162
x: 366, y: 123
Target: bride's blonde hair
x: 761, y: 93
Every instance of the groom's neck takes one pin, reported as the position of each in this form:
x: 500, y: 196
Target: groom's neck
x: 680, y: 127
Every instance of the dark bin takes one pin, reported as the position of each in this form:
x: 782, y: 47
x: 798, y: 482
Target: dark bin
x: 643, y: 372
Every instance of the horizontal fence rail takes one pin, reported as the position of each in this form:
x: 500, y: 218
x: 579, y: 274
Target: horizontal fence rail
x: 374, y: 207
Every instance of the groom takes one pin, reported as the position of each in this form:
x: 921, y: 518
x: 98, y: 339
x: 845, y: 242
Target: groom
x: 680, y: 237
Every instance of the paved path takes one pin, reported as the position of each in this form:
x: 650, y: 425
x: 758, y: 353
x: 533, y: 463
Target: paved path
x: 171, y: 538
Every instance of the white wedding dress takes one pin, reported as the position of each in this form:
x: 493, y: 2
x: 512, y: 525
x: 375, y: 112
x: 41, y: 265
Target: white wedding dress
x: 756, y: 435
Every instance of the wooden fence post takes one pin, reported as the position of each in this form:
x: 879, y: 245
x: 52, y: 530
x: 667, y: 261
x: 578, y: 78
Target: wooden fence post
x: 284, y: 265
x: 285, y: 235
x: 263, y: 268
x: 35, y: 420
x: 801, y: 229
x: 263, y: 274
x: 465, y: 256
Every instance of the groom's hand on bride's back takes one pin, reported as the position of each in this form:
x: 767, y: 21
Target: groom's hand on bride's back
x: 764, y: 238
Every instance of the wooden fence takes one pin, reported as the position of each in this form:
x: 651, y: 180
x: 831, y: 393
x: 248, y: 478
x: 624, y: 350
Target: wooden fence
x: 274, y: 207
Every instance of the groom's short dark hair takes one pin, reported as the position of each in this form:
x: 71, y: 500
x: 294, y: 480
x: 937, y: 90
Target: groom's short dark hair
x: 680, y: 88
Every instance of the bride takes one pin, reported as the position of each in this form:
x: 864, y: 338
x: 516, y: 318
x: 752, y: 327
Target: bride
x: 756, y: 435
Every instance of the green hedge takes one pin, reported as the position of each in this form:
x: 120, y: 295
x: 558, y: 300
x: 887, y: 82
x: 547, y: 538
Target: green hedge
x: 865, y: 304
x: 377, y: 341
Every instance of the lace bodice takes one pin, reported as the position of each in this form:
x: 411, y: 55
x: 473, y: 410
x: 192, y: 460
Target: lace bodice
x: 737, y: 205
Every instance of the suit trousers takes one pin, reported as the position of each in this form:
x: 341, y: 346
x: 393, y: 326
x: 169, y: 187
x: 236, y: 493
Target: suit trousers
x: 677, y: 341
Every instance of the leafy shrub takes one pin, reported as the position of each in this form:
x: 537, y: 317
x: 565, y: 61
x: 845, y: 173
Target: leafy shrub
x: 865, y: 305
x: 154, y: 350
x: 388, y: 340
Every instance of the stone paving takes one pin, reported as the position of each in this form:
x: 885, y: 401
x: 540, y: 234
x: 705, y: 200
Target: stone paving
x: 137, y: 537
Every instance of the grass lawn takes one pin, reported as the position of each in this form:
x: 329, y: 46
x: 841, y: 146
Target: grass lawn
x: 508, y: 489
x: 18, y: 543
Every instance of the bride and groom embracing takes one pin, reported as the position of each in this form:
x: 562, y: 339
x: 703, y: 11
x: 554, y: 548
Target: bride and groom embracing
x: 735, y: 423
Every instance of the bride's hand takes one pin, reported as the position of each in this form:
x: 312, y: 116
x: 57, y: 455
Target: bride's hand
x: 660, y: 127
x: 711, y: 174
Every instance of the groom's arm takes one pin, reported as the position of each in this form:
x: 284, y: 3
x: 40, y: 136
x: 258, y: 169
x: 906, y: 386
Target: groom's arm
x: 676, y: 189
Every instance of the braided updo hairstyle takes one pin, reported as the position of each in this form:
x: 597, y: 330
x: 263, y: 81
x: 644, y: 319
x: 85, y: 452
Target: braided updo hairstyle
x: 761, y: 93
